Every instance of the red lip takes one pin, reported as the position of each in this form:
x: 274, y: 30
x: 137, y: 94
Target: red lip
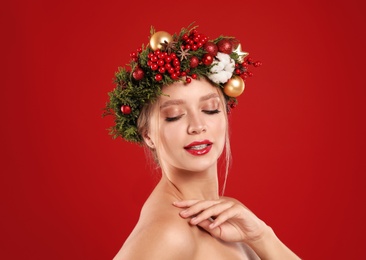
x: 194, y: 150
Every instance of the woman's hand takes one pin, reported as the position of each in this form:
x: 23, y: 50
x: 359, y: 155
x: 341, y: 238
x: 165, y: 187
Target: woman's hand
x: 231, y: 221
x: 225, y: 218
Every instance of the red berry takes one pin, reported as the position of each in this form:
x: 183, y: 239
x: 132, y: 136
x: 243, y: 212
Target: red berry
x: 160, y: 62
x: 154, y: 66
x: 174, y: 75
x: 257, y: 64
x: 176, y: 62
x: 225, y: 46
x: 168, y: 59
x: 194, y: 76
x: 138, y: 74
x: 158, y: 77
x: 244, y: 75
x: 126, y: 110
x: 162, y: 70
x: 188, y: 80
x: 211, y: 48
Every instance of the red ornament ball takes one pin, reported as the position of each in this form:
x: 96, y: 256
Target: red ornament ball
x: 138, y: 74
x: 211, y: 48
x: 225, y: 46
x: 207, y: 59
x: 194, y: 61
x: 126, y: 110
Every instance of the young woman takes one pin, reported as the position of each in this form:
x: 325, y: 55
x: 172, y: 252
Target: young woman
x: 186, y: 128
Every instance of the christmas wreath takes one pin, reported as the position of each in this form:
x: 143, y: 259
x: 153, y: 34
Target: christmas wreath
x: 170, y: 58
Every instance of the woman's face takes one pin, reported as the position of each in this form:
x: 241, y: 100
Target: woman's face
x: 188, y: 126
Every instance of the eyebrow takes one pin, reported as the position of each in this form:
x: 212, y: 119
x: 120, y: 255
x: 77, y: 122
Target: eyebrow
x: 181, y: 101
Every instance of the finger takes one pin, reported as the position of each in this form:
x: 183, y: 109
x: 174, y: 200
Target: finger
x: 198, y: 207
x: 224, y: 216
x: 205, y: 224
x: 214, y: 210
x: 184, y: 203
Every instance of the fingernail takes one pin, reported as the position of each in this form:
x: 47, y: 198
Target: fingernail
x: 194, y: 220
x: 212, y: 225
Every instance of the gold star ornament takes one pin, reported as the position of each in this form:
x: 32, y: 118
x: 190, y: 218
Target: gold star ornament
x: 240, y: 53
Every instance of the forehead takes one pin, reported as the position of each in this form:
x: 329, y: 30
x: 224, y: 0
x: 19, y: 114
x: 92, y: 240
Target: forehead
x: 190, y: 92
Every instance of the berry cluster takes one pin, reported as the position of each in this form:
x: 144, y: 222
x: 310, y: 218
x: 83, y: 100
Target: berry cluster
x: 164, y: 62
x: 241, y: 69
x: 194, y: 40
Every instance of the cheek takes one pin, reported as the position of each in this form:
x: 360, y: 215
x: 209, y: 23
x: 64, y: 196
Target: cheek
x: 219, y: 130
x: 174, y: 131
x: 169, y: 132
x: 219, y: 125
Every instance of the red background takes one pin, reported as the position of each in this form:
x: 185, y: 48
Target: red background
x: 68, y: 191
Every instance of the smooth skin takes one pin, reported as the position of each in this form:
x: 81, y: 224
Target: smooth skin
x: 184, y: 217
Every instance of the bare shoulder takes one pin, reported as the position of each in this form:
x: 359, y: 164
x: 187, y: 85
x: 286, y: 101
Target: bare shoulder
x: 159, y: 234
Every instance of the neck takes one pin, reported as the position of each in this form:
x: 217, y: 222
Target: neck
x: 191, y: 185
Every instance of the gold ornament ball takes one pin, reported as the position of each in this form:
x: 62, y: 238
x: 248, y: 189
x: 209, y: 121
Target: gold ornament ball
x: 158, y: 38
x: 234, y: 87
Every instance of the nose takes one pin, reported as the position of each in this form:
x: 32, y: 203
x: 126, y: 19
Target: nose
x: 196, y: 125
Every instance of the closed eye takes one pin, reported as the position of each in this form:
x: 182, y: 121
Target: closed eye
x: 172, y: 119
x: 211, y: 112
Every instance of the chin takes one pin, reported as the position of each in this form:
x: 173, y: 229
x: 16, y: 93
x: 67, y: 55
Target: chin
x: 200, y: 163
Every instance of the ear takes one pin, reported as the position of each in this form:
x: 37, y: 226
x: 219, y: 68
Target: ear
x: 148, y: 140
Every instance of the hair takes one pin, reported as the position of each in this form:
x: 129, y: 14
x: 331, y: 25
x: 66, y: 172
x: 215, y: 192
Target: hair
x: 143, y: 126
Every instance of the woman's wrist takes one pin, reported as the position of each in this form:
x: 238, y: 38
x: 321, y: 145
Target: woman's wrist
x: 269, y: 246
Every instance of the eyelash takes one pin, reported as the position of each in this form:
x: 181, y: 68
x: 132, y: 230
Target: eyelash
x: 209, y: 112
x: 172, y: 119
